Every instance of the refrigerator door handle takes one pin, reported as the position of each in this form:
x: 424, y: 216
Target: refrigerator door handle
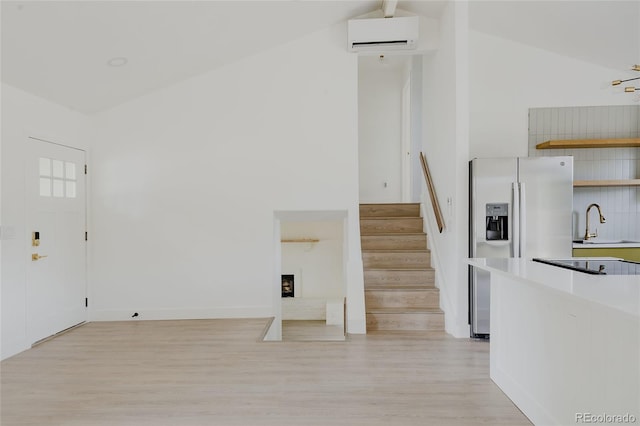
x: 515, y: 221
x: 523, y: 219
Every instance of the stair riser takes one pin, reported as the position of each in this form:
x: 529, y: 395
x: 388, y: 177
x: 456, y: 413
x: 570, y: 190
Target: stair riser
x: 390, y: 226
x: 428, y: 299
x: 399, y: 278
x: 396, y: 260
x: 389, y: 210
x: 405, y: 322
x: 394, y: 242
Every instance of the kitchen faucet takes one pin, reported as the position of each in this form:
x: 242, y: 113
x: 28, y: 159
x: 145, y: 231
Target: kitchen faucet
x: 587, y: 235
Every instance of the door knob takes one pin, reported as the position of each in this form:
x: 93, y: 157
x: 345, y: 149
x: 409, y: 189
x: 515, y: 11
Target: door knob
x: 36, y: 256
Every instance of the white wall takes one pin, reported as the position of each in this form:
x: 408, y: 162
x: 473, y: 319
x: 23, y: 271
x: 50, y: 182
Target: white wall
x: 24, y: 115
x: 187, y: 179
x: 445, y: 143
x: 416, y: 127
x: 508, y: 78
x: 380, y: 128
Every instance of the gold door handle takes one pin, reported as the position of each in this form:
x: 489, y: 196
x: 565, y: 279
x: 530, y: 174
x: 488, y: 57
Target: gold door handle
x: 36, y: 256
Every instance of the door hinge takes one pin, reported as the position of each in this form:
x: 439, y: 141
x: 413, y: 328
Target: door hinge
x: 85, y: 169
x: 86, y: 302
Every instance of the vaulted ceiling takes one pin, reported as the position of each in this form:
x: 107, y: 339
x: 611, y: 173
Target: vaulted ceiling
x: 60, y: 50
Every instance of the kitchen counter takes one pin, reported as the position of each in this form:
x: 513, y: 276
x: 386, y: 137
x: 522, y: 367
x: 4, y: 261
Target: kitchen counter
x: 564, y: 343
x: 607, y: 244
x: 619, y: 292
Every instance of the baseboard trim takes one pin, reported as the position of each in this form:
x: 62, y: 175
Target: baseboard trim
x: 60, y: 333
x: 180, y: 314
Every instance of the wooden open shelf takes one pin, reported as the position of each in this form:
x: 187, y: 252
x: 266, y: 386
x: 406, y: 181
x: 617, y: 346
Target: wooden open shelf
x: 620, y: 182
x: 300, y: 240
x: 589, y: 143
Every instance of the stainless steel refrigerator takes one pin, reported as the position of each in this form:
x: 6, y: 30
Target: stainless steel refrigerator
x: 519, y: 207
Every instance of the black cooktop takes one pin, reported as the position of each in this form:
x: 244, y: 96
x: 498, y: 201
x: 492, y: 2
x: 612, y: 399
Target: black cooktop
x: 596, y: 266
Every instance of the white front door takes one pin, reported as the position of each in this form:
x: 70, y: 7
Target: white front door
x: 56, y: 220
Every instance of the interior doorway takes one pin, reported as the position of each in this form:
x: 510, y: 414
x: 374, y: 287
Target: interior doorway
x: 312, y: 274
x: 389, y: 99
x: 310, y: 285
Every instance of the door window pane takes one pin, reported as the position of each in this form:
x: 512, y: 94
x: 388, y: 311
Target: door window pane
x: 64, y: 174
x: 45, y: 187
x: 45, y: 167
x: 70, y: 171
x: 58, y: 188
x: 57, y: 169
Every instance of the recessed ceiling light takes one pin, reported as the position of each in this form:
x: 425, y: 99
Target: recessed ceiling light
x: 117, y: 62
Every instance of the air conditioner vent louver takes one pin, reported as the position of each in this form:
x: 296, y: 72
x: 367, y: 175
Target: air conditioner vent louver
x: 383, y: 34
x: 380, y: 43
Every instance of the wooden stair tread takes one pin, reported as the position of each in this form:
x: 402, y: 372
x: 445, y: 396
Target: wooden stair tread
x: 389, y: 204
x: 404, y: 310
x: 389, y: 217
x: 407, y: 333
x: 373, y: 234
x: 396, y: 268
x: 402, y: 236
x: 392, y: 209
x: 402, y: 287
x: 386, y: 241
x: 396, y: 251
x: 395, y: 234
x: 426, y: 268
x: 432, y: 289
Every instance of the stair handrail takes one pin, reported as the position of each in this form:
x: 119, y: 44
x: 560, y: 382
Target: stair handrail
x: 432, y: 192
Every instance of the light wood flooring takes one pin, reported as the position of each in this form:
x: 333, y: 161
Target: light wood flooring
x: 216, y: 372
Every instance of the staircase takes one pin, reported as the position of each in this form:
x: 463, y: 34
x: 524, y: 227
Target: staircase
x: 400, y: 294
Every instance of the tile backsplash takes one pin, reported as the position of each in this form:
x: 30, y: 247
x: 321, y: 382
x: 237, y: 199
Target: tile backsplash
x: 621, y: 204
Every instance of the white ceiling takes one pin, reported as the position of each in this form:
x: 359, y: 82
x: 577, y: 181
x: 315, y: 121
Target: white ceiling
x: 59, y: 50
x: 604, y: 32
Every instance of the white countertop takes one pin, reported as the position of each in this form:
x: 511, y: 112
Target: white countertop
x: 619, y: 292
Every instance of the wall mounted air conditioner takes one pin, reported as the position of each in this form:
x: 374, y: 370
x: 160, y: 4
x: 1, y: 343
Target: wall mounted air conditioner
x: 383, y: 33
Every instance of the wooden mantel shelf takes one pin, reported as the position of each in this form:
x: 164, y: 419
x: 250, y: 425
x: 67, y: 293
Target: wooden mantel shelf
x: 589, y: 143
x: 621, y: 182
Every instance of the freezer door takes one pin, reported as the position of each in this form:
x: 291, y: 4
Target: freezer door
x: 492, y: 181
x: 546, y: 205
